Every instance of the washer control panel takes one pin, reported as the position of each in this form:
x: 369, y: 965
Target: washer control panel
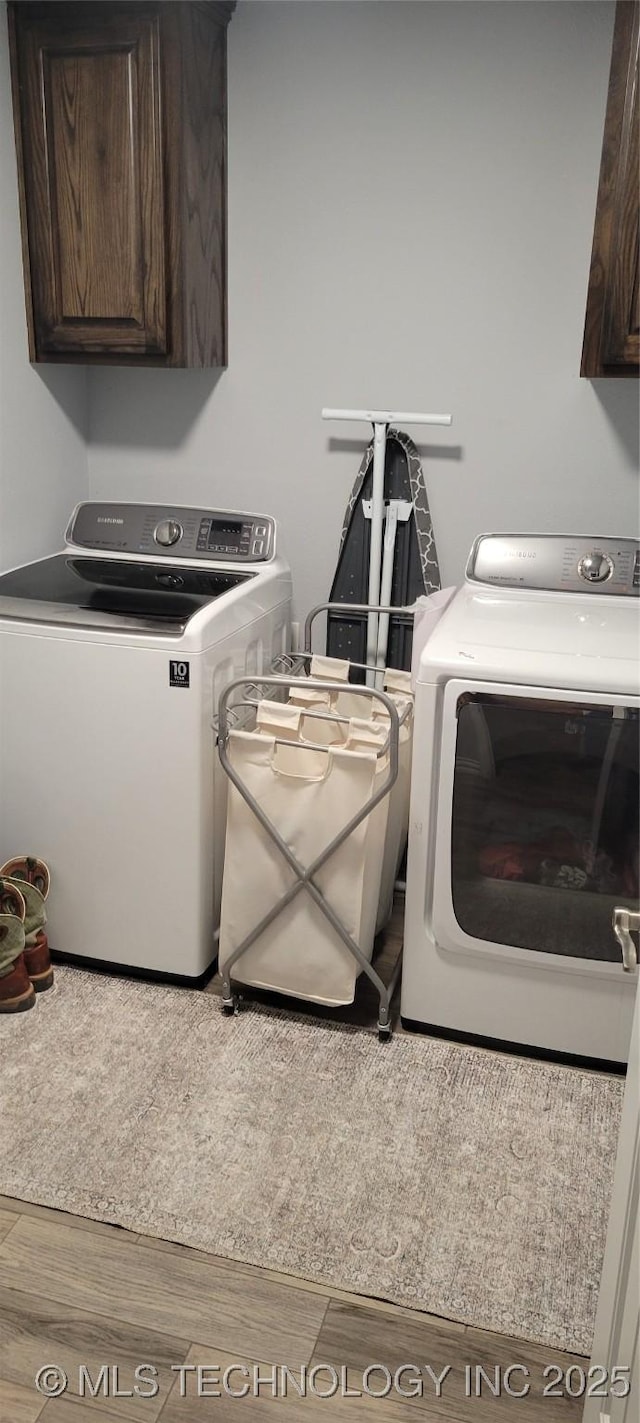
x: 212, y: 534
x: 557, y: 562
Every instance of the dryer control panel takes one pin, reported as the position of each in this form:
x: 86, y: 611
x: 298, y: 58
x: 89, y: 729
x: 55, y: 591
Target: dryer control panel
x: 173, y: 531
x: 558, y: 563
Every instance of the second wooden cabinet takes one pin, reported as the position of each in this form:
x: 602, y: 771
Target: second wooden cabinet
x: 612, y: 328
x: 120, y: 111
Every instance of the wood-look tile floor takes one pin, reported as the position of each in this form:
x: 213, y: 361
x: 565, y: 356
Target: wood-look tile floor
x: 75, y: 1293
x: 81, y: 1295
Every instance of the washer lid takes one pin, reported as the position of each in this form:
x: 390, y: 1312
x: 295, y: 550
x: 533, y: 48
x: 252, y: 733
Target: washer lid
x: 111, y: 593
x: 536, y: 638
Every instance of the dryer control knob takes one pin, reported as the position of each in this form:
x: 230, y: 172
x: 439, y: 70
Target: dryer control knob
x: 595, y: 567
x: 167, y: 532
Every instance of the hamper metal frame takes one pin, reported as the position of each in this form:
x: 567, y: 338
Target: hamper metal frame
x: 288, y: 676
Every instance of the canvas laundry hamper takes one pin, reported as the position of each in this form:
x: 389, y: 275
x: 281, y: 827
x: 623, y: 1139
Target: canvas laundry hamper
x: 358, y: 734
x: 369, y: 735
x: 309, y: 795
x: 388, y: 817
x: 397, y: 684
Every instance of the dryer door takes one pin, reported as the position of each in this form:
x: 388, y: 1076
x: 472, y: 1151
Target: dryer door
x: 537, y: 824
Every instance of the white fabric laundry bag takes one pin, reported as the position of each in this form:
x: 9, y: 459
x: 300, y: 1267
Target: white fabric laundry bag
x: 280, y: 719
x: 361, y: 732
x: 397, y: 685
x: 309, y: 795
x: 305, y: 721
x: 370, y: 735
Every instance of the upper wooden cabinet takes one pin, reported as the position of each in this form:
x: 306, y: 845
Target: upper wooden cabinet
x: 120, y: 116
x: 612, y: 328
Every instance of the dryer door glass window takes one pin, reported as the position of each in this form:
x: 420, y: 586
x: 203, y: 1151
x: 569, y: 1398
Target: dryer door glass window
x: 545, y: 823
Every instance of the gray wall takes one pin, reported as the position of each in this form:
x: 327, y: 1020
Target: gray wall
x: 411, y: 199
x: 43, y: 411
x: 411, y: 202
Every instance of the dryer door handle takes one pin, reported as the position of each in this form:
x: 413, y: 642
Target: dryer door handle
x: 625, y: 922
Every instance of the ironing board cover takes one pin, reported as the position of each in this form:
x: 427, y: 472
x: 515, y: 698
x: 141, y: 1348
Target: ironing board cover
x: 422, y: 513
x: 415, y: 565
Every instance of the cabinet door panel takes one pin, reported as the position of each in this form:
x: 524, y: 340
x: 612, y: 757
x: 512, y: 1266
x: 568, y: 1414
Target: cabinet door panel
x: 621, y: 302
x: 612, y: 327
x: 91, y: 121
x: 92, y: 159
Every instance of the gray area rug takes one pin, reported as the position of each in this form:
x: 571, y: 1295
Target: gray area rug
x: 450, y: 1179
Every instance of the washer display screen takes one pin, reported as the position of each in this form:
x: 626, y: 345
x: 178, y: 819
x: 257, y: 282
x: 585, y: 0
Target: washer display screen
x: 226, y: 536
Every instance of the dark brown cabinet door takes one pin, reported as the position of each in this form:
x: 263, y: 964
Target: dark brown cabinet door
x: 120, y: 116
x: 612, y: 328
x: 93, y: 174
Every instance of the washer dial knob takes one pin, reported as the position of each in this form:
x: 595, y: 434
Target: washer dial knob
x: 167, y: 532
x: 595, y: 567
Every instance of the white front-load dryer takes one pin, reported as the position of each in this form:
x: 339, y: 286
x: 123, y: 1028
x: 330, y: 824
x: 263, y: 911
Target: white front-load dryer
x: 113, y: 654
x: 522, y: 875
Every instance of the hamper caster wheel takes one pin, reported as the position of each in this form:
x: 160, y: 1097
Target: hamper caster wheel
x: 384, y: 1033
x: 230, y: 1006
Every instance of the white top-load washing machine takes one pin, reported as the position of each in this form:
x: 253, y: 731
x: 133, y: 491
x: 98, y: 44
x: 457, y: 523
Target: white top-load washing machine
x: 113, y: 654
x: 522, y: 874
